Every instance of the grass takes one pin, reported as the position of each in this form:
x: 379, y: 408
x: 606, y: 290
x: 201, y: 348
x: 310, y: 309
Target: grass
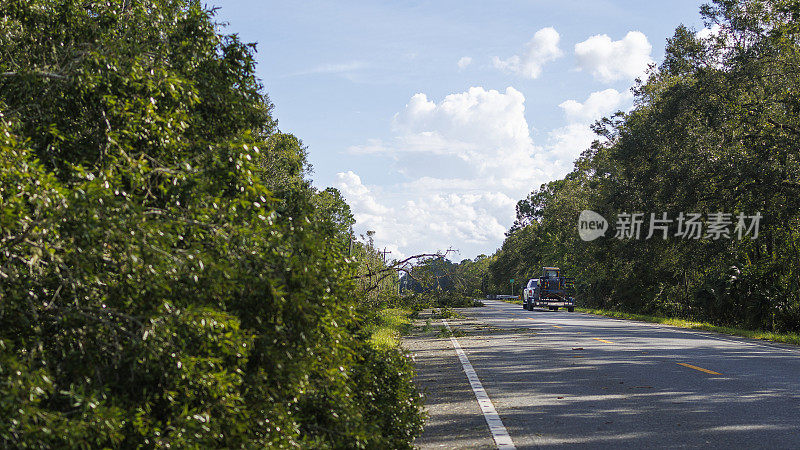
x: 513, y: 302
x: 392, y: 323
x: 786, y: 338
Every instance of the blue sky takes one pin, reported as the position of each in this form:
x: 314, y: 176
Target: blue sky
x: 434, y: 117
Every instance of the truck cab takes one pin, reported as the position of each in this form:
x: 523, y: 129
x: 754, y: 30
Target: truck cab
x: 551, y: 272
x: 527, y: 294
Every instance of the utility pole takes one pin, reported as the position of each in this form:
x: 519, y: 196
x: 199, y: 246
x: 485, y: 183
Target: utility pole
x: 384, y: 252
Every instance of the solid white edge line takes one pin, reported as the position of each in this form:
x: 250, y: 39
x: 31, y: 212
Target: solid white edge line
x: 501, y: 437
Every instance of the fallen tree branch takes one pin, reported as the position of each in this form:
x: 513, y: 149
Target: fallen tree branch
x: 400, y: 265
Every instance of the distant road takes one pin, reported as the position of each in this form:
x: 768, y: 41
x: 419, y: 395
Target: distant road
x: 560, y: 379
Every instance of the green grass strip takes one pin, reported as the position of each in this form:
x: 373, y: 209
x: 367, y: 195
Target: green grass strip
x: 786, y: 338
x: 393, y: 323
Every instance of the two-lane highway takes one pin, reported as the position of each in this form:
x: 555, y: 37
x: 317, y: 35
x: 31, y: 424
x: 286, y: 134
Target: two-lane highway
x: 571, y: 379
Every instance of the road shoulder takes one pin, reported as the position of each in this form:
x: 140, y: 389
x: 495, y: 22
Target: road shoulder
x: 454, y: 418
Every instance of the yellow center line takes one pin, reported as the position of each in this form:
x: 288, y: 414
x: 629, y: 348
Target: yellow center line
x: 698, y: 368
x: 603, y: 340
x: 556, y: 326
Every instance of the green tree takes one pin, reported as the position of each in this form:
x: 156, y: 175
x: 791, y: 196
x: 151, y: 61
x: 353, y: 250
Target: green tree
x: 170, y: 277
x: 714, y: 129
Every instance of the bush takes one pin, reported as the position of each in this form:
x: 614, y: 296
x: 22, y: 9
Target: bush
x: 167, y: 278
x: 387, y: 393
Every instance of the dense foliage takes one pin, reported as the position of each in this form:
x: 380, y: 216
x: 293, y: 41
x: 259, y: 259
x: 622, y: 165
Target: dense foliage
x: 715, y: 128
x: 168, y: 276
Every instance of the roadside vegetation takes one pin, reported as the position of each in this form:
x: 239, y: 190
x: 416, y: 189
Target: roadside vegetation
x: 715, y: 128
x: 391, y: 324
x: 439, y: 282
x: 169, y: 276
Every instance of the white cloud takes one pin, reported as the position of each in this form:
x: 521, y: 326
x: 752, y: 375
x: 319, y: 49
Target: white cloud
x: 464, y: 62
x: 565, y: 144
x: 360, y: 197
x: 609, y: 60
x: 461, y: 165
x: 540, y: 50
x: 598, y: 105
x: 372, y: 146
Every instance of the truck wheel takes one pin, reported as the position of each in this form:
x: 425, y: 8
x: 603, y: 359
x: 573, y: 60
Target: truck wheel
x: 555, y: 308
x: 571, y: 309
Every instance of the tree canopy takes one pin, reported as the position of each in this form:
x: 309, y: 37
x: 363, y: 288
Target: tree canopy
x: 715, y: 128
x: 170, y: 278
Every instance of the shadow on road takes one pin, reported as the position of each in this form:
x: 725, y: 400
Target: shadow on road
x: 563, y: 387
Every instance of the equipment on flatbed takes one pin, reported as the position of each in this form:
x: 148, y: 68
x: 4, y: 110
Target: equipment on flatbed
x: 550, y: 290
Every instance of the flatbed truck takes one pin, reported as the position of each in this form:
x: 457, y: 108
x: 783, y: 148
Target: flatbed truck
x: 550, y: 290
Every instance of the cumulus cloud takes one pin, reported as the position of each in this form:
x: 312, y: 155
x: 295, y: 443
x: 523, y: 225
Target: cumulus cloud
x: 481, y: 127
x: 361, y: 198
x: 464, y: 62
x: 598, y: 105
x: 424, y: 217
x: 465, y: 160
x: 609, y: 60
x: 540, y: 50
x: 566, y: 143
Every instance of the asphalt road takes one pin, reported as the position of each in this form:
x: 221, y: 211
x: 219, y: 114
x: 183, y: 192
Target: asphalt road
x: 560, y: 379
